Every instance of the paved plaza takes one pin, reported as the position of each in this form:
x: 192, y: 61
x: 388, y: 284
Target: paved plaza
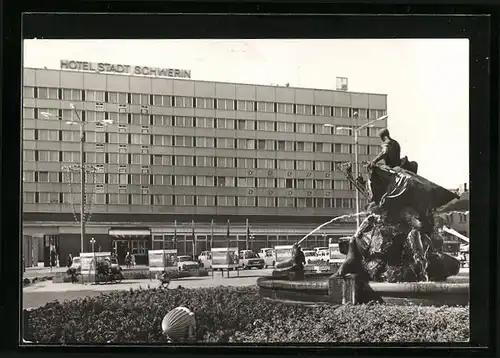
x: 46, y: 291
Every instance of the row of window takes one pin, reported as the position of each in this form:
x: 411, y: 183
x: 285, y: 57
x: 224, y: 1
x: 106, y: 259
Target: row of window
x: 190, y: 200
x: 178, y: 160
x: 198, y: 102
x: 196, y: 142
x: 185, y: 180
x: 145, y: 120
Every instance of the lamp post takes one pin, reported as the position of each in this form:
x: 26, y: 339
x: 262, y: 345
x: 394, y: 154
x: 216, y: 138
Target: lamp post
x: 92, y: 242
x: 356, y: 169
x: 81, y: 124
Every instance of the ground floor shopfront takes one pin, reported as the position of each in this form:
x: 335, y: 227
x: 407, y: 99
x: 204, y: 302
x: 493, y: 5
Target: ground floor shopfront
x: 189, y: 238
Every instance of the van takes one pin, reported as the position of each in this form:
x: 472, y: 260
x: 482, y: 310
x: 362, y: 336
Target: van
x: 283, y: 253
x: 268, y: 255
x: 205, y: 259
x: 335, y: 256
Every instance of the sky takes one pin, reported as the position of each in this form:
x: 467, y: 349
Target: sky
x: 426, y: 80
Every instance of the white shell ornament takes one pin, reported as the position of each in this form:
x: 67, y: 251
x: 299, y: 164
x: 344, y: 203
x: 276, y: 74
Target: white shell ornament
x: 179, y: 323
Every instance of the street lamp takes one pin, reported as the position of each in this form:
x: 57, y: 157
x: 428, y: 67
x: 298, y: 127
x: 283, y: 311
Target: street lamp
x: 80, y: 123
x: 356, y: 169
x: 92, y: 242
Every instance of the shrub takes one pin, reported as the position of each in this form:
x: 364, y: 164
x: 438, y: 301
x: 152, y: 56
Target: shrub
x: 229, y: 314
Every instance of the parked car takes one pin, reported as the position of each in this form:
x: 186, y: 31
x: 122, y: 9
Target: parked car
x: 249, y: 259
x: 323, y: 255
x: 186, y: 263
x: 319, y: 248
x: 310, y: 256
x: 267, y: 254
x: 205, y: 259
x: 336, y: 257
x: 77, y: 264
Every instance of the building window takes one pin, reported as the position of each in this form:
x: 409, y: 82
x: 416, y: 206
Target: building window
x: 225, y: 123
x: 305, y: 128
x: 265, y: 183
x: 206, y: 103
x: 70, y: 157
x: 225, y: 104
x: 265, y: 163
x: 140, y: 119
x: 142, y: 139
x: 93, y: 116
x: 48, y: 177
x: 266, y: 202
x: 285, y: 108
x: 227, y: 143
x: 49, y: 93
x: 246, y: 143
x: 286, y: 202
x: 159, y: 120
x: 203, y: 180
x: 340, y: 185
x: 285, y: 127
x: 248, y: 163
x: 28, y: 198
x: 304, y: 147
x: 285, y: 164
x: 183, y: 180
x: 161, y: 140
x: 183, y: 141
x: 245, y: 106
x: 140, y: 159
x: 246, y: 201
x: 93, y: 96
x: 184, y: 161
x: 246, y: 182
x: 304, y: 164
x: 159, y: 159
x: 184, y: 200
x: 265, y: 107
x: 28, y: 92
x: 265, y: 126
x: 265, y: 144
x: 28, y: 134
x: 321, y: 129
x: 159, y: 179
x: 48, y: 156
x: 95, y: 137
x: 28, y: 176
x: 183, y: 121
x: 140, y: 98
x: 205, y: 200
x: 223, y: 162
x: 48, y: 198
x: 160, y: 199
x: 186, y: 102
x: 203, y: 122
x: 47, y: 134
x: 160, y: 100
x: 323, y: 147
x: 305, y: 202
x: 204, y: 161
x: 342, y: 148
x: 322, y: 165
x: 323, y: 110
x: 72, y: 94
x: 28, y: 155
x: 226, y: 201
x: 245, y: 124
x: 224, y: 182
x: 304, y: 109
x: 28, y: 113
x: 323, y: 202
x: 304, y: 184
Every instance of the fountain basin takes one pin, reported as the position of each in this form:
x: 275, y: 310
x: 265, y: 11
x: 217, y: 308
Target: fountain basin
x: 327, y: 289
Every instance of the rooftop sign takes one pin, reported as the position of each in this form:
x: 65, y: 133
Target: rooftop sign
x: 114, y: 68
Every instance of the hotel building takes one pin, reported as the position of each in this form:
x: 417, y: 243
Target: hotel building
x: 191, y: 152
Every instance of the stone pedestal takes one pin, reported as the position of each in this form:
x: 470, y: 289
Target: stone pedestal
x: 296, y: 276
x: 342, y: 290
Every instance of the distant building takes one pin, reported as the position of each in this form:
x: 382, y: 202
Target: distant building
x: 189, y: 150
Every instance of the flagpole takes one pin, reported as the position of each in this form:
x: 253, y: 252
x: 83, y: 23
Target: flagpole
x: 194, y: 239
x: 175, y: 235
x: 228, y: 234
x: 211, y: 234
x: 247, y: 232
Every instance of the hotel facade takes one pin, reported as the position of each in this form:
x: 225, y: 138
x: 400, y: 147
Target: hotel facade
x: 183, y: 157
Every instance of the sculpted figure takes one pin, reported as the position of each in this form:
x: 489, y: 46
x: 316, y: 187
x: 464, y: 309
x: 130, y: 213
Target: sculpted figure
x: 399, y: 240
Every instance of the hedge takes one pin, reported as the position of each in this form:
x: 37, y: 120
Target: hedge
x: 229, y: 314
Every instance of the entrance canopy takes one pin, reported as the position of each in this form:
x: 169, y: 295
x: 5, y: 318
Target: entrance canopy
x: 129, y: 233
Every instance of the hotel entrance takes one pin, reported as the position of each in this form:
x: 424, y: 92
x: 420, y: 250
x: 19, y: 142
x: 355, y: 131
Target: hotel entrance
x: 135, y: 242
